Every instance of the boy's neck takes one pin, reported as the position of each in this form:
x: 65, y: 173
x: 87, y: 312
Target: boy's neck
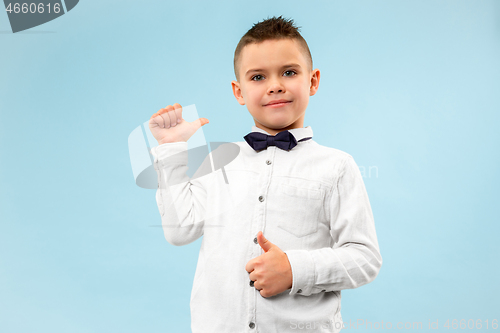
x: 274, y: 131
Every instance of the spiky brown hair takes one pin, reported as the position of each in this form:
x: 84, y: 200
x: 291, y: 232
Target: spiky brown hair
x: 269, y: 29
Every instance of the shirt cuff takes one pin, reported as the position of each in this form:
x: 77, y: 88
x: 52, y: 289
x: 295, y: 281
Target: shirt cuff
x: 165, y: 150
x: 303, y: 272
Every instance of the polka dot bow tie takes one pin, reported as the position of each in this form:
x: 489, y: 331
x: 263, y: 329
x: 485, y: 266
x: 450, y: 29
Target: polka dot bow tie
x: 283, y: 140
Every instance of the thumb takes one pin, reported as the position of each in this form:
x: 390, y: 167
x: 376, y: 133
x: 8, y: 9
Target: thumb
x: 263, y: 242
x: 200, y: 122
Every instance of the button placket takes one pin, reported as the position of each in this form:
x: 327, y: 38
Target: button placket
x: 266, y: 178
x: 258, y: 224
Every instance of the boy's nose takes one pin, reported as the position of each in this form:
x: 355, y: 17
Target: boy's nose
x: 275, y: 88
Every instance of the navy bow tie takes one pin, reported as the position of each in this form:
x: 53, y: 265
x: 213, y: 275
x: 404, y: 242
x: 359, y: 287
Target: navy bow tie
x: 283, y: 140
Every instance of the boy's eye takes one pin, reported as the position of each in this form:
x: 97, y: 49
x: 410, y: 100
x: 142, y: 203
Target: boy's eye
x: 290, y: 73
x: 256, y: 76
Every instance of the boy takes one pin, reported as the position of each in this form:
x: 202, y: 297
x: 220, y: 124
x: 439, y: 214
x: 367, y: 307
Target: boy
x: 309, y: 200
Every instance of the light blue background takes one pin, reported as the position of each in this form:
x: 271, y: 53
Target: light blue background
x: 411, y: 87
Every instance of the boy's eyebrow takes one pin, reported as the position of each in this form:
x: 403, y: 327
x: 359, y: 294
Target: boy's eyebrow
x: 262, y: 70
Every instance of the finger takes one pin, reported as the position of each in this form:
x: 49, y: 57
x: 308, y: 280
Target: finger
x: 159, y: 119
x: 152, y: 122
x: 165, y: 115
x: 173, y: 118
x: 178, y: 112
x: 252, y: 276
x: 264, y: 293
x: 257, y: 285
x: 263, y: 242
x: 249, y: 267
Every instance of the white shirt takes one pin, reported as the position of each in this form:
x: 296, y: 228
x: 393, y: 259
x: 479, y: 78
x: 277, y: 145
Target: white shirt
x: 310, y: 201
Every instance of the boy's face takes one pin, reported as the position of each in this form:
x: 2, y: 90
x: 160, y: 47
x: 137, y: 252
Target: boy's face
x: 271, y: 71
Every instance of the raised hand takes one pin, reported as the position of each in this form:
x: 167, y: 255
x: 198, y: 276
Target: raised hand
x: 167, y: 125
x: 271, y: 271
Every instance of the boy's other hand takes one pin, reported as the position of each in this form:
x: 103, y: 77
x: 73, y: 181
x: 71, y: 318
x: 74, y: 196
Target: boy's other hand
x: 167, y: 125
x: 271, y: 271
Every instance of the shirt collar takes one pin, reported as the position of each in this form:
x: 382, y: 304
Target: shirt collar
x: 298, y: 133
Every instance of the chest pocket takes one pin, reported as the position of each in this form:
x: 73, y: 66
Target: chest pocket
x: 297, y: 209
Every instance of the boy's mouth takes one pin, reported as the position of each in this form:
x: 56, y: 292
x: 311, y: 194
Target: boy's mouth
x: 278, y: 103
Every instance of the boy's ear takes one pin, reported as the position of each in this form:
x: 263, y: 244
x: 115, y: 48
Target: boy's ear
x: 314, y: 82
x: 237, y: 92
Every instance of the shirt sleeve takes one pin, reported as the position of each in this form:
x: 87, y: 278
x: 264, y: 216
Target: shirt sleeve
x: 354, y: 259
x: 181, y: 200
